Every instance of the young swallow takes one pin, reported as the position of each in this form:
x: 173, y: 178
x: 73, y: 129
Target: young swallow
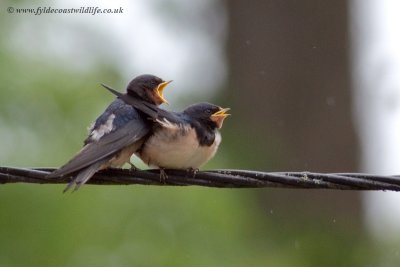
x: 184, y: 140
x: 117, y: 133
x: 180, y: 140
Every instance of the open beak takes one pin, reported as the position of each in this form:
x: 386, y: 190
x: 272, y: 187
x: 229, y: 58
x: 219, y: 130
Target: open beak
x: 160, y: 89
x: 219, y: 116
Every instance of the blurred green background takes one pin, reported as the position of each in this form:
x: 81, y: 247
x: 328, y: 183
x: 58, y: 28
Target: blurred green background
x: 280, y: 66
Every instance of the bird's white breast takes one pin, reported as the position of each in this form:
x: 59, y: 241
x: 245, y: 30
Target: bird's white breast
x: 176, y: 147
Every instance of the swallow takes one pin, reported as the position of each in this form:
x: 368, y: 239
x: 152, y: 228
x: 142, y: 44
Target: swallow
x: 180, y: 140
x: 184, y: 140
x: 117, y: 133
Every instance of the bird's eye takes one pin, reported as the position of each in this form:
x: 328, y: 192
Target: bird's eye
x: 208, y: 111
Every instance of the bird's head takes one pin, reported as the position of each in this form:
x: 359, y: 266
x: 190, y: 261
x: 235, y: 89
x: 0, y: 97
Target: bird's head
x: 149, y: 88
x: 208, y: 114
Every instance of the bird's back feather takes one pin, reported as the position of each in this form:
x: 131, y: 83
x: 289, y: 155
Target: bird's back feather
x: 128, y: 127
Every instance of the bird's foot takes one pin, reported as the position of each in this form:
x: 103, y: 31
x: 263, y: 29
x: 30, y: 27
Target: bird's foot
x: 192, y: 171
x: 163, y: 176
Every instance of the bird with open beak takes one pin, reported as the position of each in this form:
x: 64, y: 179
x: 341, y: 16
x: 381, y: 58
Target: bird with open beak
x: 184, y: 140
x: 117, y: 133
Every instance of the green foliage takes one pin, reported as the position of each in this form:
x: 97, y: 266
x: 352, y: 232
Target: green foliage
x: 44, y: 111
x: 119, y: 226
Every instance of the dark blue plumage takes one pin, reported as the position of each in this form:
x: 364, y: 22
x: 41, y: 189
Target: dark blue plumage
x: 123, y: 114
x: 184, y: 140
x: 117, y: 133
x: 180, y: 140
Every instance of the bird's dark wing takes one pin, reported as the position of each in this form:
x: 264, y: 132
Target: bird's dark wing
x: 151, y: 111
x: 109, y: 144
x: 84, y: 175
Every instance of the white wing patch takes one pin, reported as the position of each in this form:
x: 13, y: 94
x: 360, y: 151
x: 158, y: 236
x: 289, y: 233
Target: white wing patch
x: 167, y: 124
x: 90, y: 128
x: 96, y: 134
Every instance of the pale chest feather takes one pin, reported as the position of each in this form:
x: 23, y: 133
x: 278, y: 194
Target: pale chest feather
x: 177, y: 147
x: 124, y: 155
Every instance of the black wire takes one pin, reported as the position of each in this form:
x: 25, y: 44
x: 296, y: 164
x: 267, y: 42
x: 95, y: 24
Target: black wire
x: 214, y: 178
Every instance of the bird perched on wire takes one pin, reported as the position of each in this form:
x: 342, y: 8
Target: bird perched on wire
x: 181, y: 140
x: 117, y: 133
x: 184, y: 140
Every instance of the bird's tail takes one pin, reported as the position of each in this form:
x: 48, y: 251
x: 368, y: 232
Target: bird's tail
x: 84, y: 175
